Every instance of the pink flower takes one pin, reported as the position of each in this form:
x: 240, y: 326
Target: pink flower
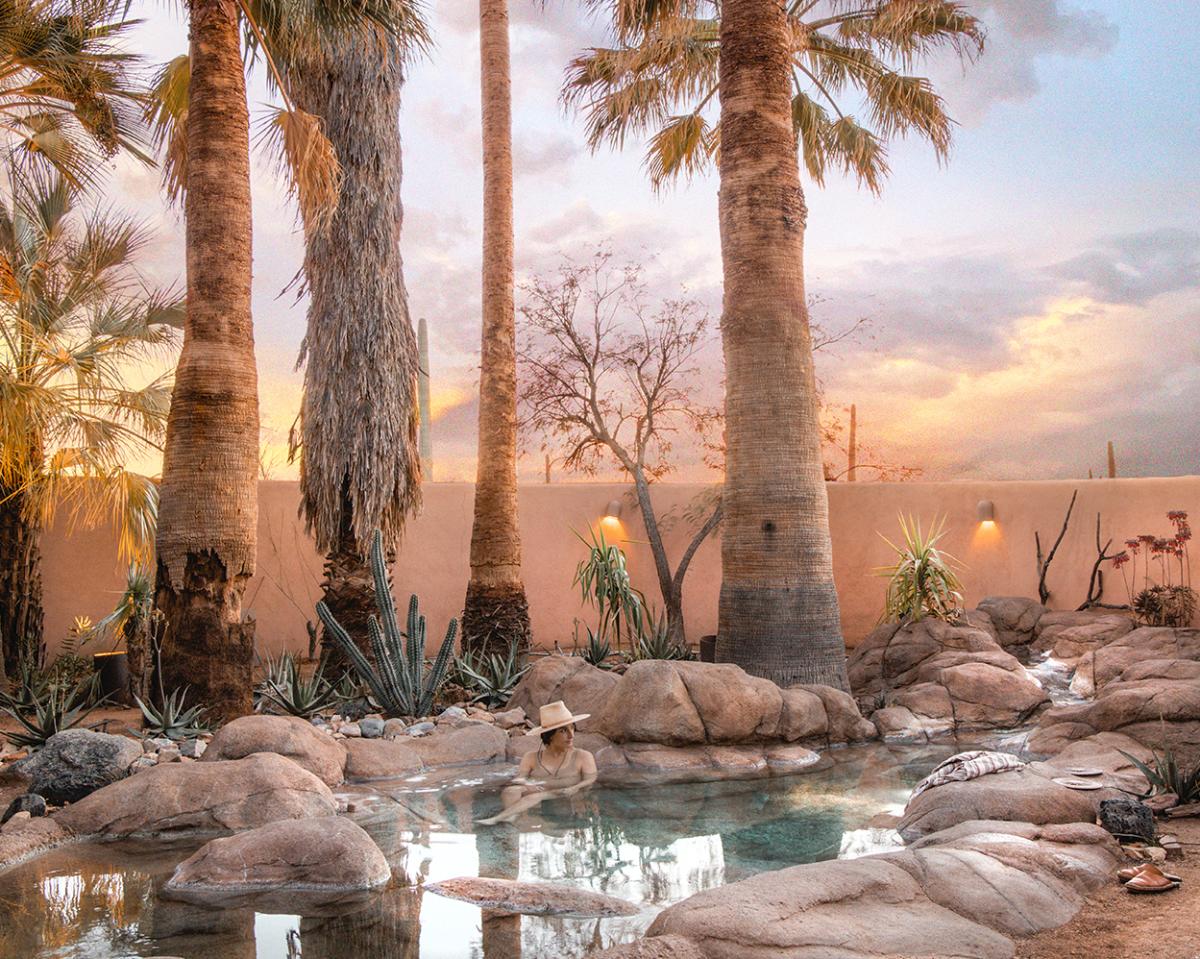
x: 1120, y: 559
x: 1134, y: 545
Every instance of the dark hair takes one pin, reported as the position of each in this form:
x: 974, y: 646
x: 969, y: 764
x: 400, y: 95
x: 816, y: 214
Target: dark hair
x: 549, y: 734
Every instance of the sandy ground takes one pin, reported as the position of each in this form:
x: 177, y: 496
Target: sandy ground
x: 1116, y: 924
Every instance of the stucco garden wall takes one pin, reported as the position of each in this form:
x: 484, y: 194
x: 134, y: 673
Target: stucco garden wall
x: 82, y: 576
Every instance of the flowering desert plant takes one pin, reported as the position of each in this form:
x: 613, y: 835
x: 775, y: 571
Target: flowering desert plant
x: 923, y: 581
x: 1161, y: 593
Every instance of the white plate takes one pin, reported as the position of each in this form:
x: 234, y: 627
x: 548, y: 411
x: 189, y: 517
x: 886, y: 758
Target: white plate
x: 1077, y: 783
x: 1084, y: 771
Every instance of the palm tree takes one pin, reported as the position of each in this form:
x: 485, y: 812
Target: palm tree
x: 207, y: 524
x: 75, y: 320
x: 67, y: 93
x: 496, y: 614
x: 778, y: 71
x: 360, y: 467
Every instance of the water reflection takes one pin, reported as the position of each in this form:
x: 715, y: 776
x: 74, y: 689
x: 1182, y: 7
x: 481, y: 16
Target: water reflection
x: 651, y: 845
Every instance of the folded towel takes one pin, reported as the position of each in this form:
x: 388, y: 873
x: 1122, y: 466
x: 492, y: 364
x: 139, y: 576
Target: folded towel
x: 969, y: 765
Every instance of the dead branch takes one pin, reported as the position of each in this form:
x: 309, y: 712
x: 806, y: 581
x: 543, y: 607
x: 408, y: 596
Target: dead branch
x: 1096, y: 581
x: 1043, y: 563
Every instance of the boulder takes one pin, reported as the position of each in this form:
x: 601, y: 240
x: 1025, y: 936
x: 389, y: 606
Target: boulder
x: 1025, y: 795
x: 660, y: 947
x: 583, y: 687
x: 381, y: 759
x: 848, y: 908
x: 315, y: 854
x: 1156, y: 703
x: 461, y: 745
x: 1067, y: 635
x: 204, y: 796
x: 1101, y: 666
x: 31, y: 838
x: 77, y: 762
x: 1127, y: 818
x: 676, y: 703
x: 946, y: 676
x: 532, y: 898
x: 1014, y: 618
x: 965, y: 892
x: 290, y: 736
x: 32, y: 804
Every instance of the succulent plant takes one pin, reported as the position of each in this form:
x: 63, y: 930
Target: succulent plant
x: 399, y: 681
x: 45, y: 710
x: 173, y: 720
x: 491, y: 678
x: 285, y: 690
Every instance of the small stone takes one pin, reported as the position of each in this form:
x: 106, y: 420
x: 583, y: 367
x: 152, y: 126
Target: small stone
x: 171, y: 755
x: 393, y: 728
x: 378, y: 716
x: 31, y: 804
x: 420, y: 729
x: 480, y: 715
x: 452, y: 714
x: 192, y: 748
x: 17, y: 820
x: 318, y: 721
x: 352, y: 730
x: 148, y: 746
x: 370, y: 727
x: 1127, y: 818
x: 162, y: 742
x: 509, y: 718
x: 1156, y: 853
x: 143, y: 762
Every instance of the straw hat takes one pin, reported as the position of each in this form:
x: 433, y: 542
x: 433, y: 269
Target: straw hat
x: 555, y: 716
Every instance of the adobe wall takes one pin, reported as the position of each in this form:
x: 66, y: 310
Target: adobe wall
x: 81, y: 574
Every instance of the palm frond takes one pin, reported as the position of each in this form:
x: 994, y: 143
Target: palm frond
x: 166, y: 112
x: 305, y: 158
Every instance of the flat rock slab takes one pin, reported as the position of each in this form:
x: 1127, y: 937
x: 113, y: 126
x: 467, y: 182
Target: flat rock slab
x: 461, y: 746
x: 303, y: 854
x: 30, y: 838
x: 381, y: 759
x: 202, y: 796
x: 532, y: 898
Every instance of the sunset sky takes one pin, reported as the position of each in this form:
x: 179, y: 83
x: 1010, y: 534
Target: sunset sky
x: 1029, y: 301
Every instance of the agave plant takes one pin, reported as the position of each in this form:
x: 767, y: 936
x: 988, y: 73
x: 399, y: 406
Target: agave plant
x: 655, y: 643
x: 491, y: 678
x: 173, y: 720
x: 597, y: 650
x: 296, y: 696
x: 399, y: 681
x: 922, y: 582
x: 603, y: 581
x: 1167, y: 776
x: 45, y: 708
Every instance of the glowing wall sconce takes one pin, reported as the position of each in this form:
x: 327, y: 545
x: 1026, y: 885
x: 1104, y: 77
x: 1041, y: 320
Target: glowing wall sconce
x: 985, y: 512
x: 612, y: 513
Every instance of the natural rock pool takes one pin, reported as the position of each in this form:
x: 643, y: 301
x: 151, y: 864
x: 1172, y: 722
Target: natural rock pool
x: 651, y: 845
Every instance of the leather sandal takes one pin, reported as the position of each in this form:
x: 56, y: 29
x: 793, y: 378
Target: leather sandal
x: 1124, y: 875
x: 1151, y: 879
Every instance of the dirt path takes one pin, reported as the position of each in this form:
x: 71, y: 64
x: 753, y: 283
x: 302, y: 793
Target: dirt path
x: 1116, y: 924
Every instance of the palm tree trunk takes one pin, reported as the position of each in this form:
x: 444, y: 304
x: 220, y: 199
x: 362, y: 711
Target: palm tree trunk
x: 778, y: 614
x: 20, y: 583
x: 209, y: 512
x: 496, y: 614
x: 360, y: 462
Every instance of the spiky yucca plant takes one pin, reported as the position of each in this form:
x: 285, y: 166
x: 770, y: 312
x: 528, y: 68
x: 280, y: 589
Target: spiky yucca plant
x: 922, y: 582
x: 175, y: 719
x: 398, y: 680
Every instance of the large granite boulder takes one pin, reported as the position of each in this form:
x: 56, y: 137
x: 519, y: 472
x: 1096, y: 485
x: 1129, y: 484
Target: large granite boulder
x: 25, y: 838
x: 1014, y: 618
x: 660, y: 947
x: 968, y: 892
x: 931, y: 677
x: 203, y: 796
x: 689, y: 703
x: 583, y: 687
x: 461, y: 745
x: 1156, y: 703
x: 74, y: 763
x: 532, y: 898
x: 381, y: 759
x: 1067, y: 635
x: 1028, y: 795
x: 301, y: 854
x: 1103, y: 665
x: 290, y: 736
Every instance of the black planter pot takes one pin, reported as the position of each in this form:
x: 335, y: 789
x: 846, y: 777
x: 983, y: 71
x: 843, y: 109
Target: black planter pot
x: 708, y: 649
x: 114, y: 675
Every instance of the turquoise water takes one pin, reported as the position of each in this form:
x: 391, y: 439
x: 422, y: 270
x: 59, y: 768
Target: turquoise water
x: 650, y: 845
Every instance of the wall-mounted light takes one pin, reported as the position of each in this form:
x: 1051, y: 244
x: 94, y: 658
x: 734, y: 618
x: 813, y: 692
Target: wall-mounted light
x: 612, y: 513
x: 985, y: 512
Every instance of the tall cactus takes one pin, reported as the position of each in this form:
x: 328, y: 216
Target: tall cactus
x: 398, y: 681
